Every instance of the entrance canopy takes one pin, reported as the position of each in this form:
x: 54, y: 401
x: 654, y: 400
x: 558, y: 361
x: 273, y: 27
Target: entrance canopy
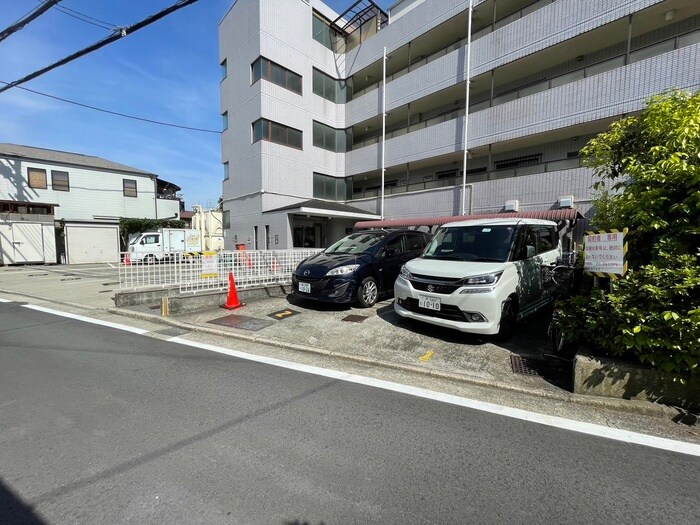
x: 319, y: 208
x: 559, y: 215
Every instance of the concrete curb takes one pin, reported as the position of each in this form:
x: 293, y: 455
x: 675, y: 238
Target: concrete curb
x: 628, y: 405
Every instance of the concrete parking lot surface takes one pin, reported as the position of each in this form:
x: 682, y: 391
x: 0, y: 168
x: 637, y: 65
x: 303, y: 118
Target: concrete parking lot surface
x: 372, y: 341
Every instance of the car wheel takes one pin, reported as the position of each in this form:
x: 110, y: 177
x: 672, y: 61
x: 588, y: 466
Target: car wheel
x: 368, y: 292
x: 509, y: 316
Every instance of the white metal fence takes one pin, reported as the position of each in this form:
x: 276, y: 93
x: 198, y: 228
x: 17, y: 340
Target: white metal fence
x: 210, y: 270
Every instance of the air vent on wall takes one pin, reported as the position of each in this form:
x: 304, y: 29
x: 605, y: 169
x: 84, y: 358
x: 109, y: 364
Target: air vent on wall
x: 566, y: 201
x: 512, y: 205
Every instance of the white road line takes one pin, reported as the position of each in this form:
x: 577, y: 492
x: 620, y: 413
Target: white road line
x: 6, y: 300
x: 543, y: 419
x: 109, y: 324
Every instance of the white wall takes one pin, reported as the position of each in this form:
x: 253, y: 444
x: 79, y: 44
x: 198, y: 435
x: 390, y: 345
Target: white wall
x: 168, y: 208
x: 92, y: 192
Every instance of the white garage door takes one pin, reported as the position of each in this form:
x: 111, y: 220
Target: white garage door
x: 92, y: 244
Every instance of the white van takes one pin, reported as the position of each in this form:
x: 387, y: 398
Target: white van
x: 479, y: 276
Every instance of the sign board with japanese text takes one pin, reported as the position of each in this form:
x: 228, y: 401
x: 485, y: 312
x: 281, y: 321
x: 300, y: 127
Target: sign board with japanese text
x: 210, y: 265
x: 606, y: 253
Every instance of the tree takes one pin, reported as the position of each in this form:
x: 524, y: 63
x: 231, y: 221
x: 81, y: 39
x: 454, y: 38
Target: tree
x: 649, y: 170
x: 651, y: 162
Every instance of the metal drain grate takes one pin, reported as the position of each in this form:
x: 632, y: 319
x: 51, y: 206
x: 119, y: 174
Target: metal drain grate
x: 526, y: 366
x: 354, y: 318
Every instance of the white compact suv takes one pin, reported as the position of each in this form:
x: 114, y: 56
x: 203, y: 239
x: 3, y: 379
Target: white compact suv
x: 479, y: 276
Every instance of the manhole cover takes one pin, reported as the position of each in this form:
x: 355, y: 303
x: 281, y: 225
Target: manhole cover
x: 283, y: 314
x: 243, y: 322
x: 354, y: 318
x: 527, y: 366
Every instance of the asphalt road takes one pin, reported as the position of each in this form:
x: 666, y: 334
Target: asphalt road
x: 99, y: 425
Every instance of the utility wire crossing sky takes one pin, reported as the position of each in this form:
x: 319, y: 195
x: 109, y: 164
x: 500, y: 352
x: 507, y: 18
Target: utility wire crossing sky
x: 150, y: 101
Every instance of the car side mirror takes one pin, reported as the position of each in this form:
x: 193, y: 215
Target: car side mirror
x: 529, y: 251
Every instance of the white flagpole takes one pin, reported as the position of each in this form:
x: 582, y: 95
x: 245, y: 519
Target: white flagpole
x: 466, y: 109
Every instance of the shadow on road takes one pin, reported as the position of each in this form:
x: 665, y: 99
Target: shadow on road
x: 14, y: 511
x: 529, y: 343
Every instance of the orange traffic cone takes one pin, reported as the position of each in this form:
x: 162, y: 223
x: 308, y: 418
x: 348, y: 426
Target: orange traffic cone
x: 127, y: 259
x: 232, y: 301
x: 250, y: 262
x: 275, y: 265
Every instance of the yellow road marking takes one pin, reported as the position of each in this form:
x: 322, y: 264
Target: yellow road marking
x: 426, y: 356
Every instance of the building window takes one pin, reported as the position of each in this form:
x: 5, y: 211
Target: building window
x: 446, y: 174
x: 59, y: 181
x: 332, y: 139
x: 326, y: 35
x: 224, y: 70
x: 518, y: 162
x: 130, y: 188
x: 272, y: 72
x: 338, y: 91
x: 226, y: 219
x: 224, y: 119
x: 37, y: 178
x: 226, y: 174
x: 264, y: 129
x: 332, y: 188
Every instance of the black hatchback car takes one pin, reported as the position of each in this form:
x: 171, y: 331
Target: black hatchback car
x: 361, y: 266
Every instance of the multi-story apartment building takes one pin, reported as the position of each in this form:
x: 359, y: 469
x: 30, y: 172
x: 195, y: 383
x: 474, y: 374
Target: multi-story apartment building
x: 315, y: 118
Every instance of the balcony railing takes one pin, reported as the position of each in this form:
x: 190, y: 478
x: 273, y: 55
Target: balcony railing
x: 537, y: 4
x: 544, y: 167
x: 649, y: 51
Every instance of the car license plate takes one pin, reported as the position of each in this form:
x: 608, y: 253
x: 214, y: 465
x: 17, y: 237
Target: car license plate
x: 431, y: 303
x: 305, y: 287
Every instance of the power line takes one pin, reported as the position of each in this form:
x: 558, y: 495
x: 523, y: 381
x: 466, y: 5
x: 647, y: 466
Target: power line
x: 95, y: 108
x: 124, y: 31
x: 84, y: 18
x: 28, y: 18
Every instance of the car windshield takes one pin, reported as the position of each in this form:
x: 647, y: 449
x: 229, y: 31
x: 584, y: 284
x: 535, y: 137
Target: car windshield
x: 472, y: 243
x: 357, y: 243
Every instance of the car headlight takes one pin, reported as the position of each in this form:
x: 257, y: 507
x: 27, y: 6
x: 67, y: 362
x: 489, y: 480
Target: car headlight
x: 481, y: 280
x: 405, y: 274
x: 343, y: 270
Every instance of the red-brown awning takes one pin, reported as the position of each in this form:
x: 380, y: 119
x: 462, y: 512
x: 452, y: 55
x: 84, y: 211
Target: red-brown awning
x: 565, y: 214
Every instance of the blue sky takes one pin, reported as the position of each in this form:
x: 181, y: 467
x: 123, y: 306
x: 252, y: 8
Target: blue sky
x: 168, y: 71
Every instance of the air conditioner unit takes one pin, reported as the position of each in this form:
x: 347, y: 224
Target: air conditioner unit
x: 566, y: 201
x: 513, y: 205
